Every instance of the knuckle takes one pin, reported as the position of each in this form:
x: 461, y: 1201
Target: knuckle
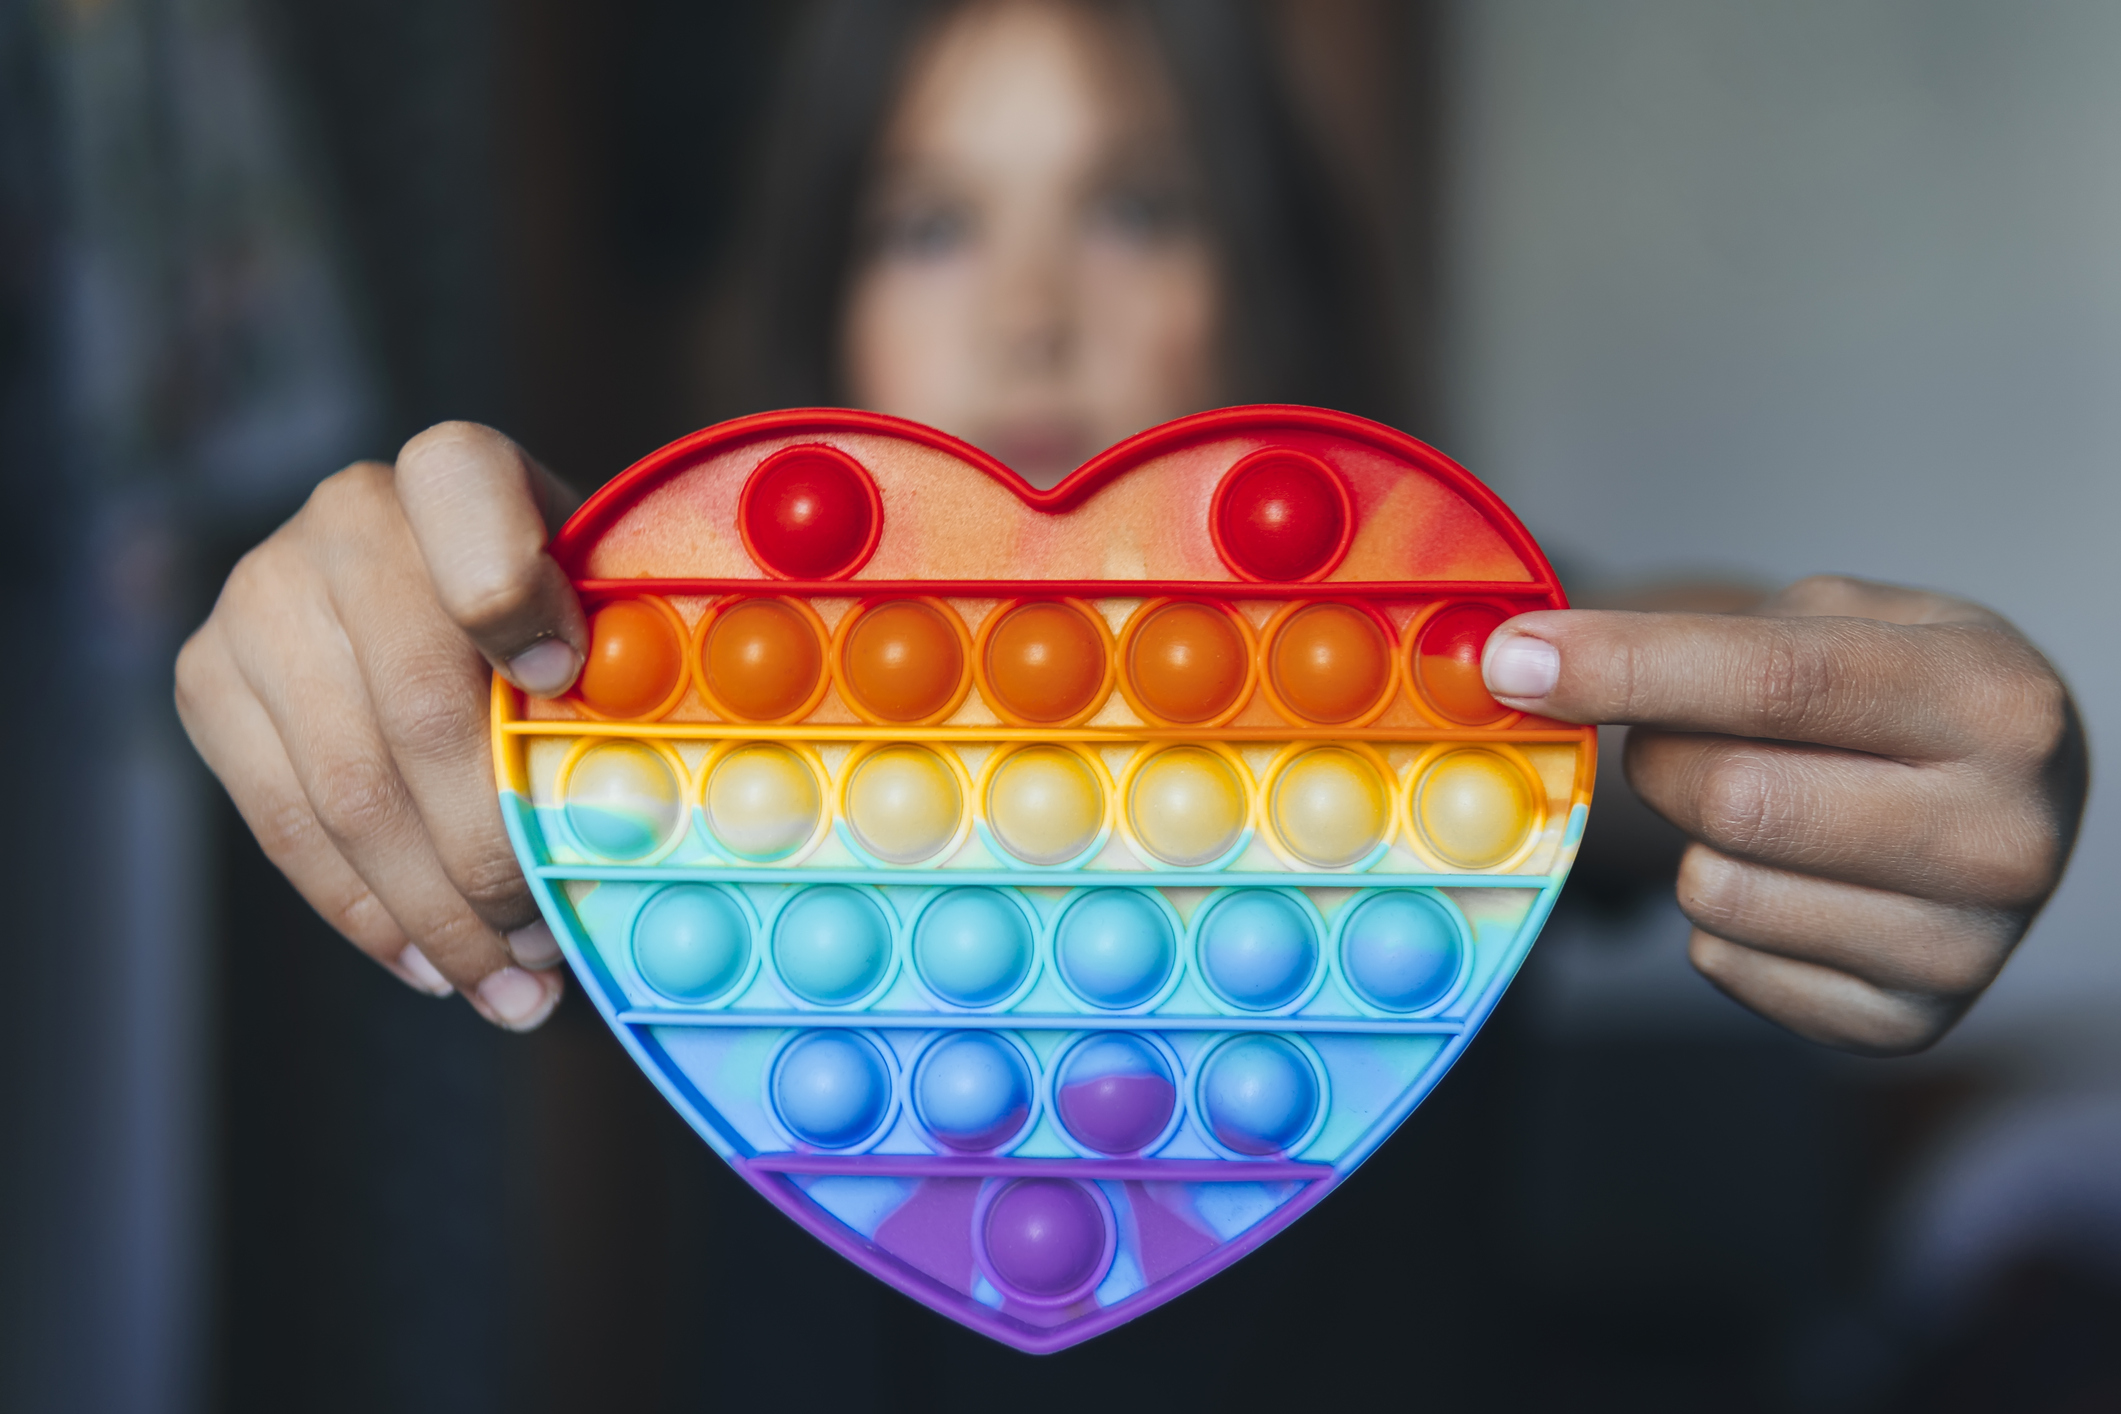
x: 191, y: 677
x: 357, y: 798
x: 434, y: 713
x: 2036, y: 713
x: 350, y: 493
x: 1963, y: 966
x: 460, y: 944
x: 413, y: 457
x: 1713, y: 890
x: 1719, y: 961
x: 494, y: 595
x: 1631, y: 677
x: 495, y: 889
x: 1789, y: 684
x: 254, y: 581
x: 2020, y: 871
x: 1815, y: 593
x: 1737, y: 801
x: 1898, y: 1027
x: 284, y: 830
x: 361, y: 917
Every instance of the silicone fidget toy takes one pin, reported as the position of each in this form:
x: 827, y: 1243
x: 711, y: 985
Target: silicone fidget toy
x: 1044, y: 897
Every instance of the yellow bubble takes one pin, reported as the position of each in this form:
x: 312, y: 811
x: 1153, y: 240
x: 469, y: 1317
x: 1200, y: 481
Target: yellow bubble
x: 1045, y: 804
x: 762, y: 801
x: 1474, y: 808
x: 1186, y: 806
x: 1331, y: 807
x: 904, y: 804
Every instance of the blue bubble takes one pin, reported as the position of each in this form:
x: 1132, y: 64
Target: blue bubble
x: 691, y: 943
x: 1401, y: 950
x: 972, y: 1091
x: 831, y: 1089
x: 831, y: 945
x: 1115, y: 948
x: 973, y: 946
x: 1258, y: 949
x: 1260, y: 1095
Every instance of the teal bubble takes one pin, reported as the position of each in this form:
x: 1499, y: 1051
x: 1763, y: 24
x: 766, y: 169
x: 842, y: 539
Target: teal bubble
x: 1258, y: 949
x: 1260, y: 1095
x: 973, y: 946
x: 831, y: 945
x: 691, y: 943
x: 1115, y: 947
x: 831, y: 1089
x: 1401, y: 950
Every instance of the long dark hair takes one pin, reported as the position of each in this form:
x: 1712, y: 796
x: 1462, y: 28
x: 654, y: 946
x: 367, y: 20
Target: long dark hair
x: 1303, y: 293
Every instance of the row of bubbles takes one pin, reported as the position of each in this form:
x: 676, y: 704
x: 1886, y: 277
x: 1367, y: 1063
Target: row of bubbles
x: 1039, y: 662
x: 1262, y: 951
x: 1114, y: 1094
x: 1051, y: 805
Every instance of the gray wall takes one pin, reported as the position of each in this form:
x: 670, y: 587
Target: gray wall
x: 1817, y: 285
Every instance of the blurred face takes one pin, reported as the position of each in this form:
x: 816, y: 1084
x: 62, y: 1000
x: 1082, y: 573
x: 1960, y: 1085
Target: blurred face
x: 1034, y: 275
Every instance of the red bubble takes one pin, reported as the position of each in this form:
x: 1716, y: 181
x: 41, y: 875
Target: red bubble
x: 1447, y: 663
x: 1280, y: 516
x: 810, y: 513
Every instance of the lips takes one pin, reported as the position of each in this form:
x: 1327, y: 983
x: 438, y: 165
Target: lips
x: 1044, y: 896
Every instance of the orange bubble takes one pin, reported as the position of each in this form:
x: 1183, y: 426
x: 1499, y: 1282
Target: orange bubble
x: 635, y: 659
x: 1187, y: 663
x: 903, y: 661
x: 1045, y: 662
x: 1330, y: 663
x: 761, y: 660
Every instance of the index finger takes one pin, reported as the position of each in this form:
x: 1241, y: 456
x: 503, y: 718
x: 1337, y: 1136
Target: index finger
x: 481, y: 510
x: 1914, y: 691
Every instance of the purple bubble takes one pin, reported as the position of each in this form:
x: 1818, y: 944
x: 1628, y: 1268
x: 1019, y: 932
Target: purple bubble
x: 1118, y: 1114
x: 1045, y: 1237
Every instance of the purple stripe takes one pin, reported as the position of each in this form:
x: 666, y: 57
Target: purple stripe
x: 935, y: 1166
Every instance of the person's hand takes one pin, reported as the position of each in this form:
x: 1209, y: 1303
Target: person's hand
x: 1882, y: 786
x: 340, y: 691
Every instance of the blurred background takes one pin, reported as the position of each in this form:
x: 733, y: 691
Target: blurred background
x: 1749, y: 290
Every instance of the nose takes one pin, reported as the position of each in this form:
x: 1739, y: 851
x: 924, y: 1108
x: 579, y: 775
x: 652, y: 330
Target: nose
x: 1032, y: 309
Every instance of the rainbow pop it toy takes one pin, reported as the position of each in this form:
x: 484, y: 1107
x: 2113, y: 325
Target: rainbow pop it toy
x: 1044, y: 897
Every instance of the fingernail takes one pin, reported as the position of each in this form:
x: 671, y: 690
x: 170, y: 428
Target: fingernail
x: 414, y: 967
x: 517, y: 999
x: 1522, y: 666
x: 534, y: 947
x: 544, y: 669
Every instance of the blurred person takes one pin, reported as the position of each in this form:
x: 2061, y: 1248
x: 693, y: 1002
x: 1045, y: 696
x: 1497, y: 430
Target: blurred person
x: 1044, y: 225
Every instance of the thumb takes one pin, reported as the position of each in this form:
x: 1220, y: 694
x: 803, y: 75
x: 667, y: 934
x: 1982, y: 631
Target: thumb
x: 481, y: 510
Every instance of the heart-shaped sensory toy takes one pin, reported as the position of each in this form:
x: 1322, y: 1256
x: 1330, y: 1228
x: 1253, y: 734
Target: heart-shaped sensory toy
x: 1043, y: 897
